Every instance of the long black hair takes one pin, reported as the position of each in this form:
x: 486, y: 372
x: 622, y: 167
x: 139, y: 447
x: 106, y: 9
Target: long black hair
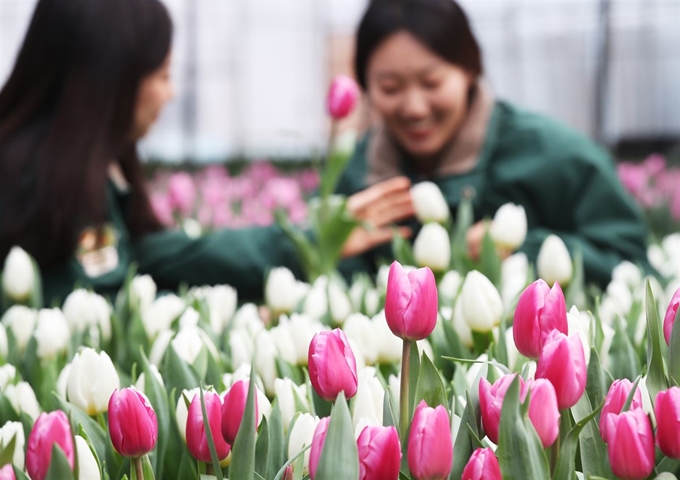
x: 67, y: 111
x: 441, y: 25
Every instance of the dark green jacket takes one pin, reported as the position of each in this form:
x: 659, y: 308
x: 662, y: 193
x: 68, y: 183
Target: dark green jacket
x: 567, y: 185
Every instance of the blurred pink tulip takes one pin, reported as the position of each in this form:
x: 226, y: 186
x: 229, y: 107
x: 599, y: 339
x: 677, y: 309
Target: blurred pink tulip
x: 317, y: 445
x: 49, y: 429
x: 430, y: 447
x: 182, y: 192
x: 614, y: 402
x: 379, y: 453
x: 162, y: 209
x: 233, y: 408
x: 543, y: 410
x: 491, y: 402
x: 667, y: 412
x: 133, y: 426
x: 540, y: 310
x: 342, y: 96
x: 563, y: 362
x: 197, y: 440
x: 631, y: 445
x: 669, y: 319
x: 7, y: 472
x: 483, y: 465
x: 332, y: 366
x: 411, y: 303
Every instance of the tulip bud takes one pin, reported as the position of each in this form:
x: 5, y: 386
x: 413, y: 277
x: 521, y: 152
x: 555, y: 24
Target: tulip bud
x: 9, y: 431
x: 540, y: 310
x: 182, y: 411
x: 317, y: 445
x: 7, y: 472
x: 369, y: 401
x: 197, y: 440
x: 18, y: 276
x: 288, y: 473
x: 286, y: 393
x: 543, y: 410
x: 301, y: 435
x: 483, y: 465
x: 667, y: 412
x: 509, y: 227
x: 51, y: 333
x: 379, y: 453
x: 132, y: 423
x: 554, y: 262
x: 22, y: 398
x: 514, y: 277
x: 359, y: 328
x: 614, y: 402
x: 91, y: 381
x: 278, y: 294
x: 411, y: 302
x: 430, y: 447
x: 429, y: 203
x: 161, y: 313
x: 88, y: 468
x: 233, y: 409
x: 142, y: 292
x: 332, y: 366
x: 342, y: 96
x: 491, y: 402
x: 450, y: 285
x: 432, y: 247
x: 481, y: 304
x: 49, y: 429
x: 563, y: 362
x: 631, y: 445
x: 20, y: 320
x: 669, y: 319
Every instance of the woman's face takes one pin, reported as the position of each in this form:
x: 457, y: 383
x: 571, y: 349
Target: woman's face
x: 421, y: 97
x: 155, y: 90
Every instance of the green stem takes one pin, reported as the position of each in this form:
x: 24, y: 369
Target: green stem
x: 554, y: 454
x: 208, y: 469
x: 404, y: 401
x: 102, y: 421
x: 139, y: 469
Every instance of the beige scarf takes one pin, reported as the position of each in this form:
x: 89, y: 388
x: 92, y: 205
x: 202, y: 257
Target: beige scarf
x: 459, y: 157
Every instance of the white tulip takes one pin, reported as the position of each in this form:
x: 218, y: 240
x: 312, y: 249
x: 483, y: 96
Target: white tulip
x: 356, y: 294
x: 242, y: 348
x: 182, y: 412
x: 52, y: 333
x: 609, y: 333
x: 432, y: 247
x: 88, y: 469
x: 282, y: 291
x: 579, y: 324
x: 142, y: 292
x: 646, y: 399
x: 659, y: 260
x: 302, y: 329
x: 77, y: 310
x: 283, y: 338
x: 247, y: 316
x: 286, y: 393
x: 359, y: 328
x: 628, y: 274
x: 509, y: 226
x: 222, y: 301
x: 62, y: 381
x: 160, y: 346
x: 161, y: 313
x: 4, y: 347
x: 554, y: 262
x: 241, y: 373
x: 371, y: 301
x: 362, y: 423
x: 513, y: 353
x: 474, y: 369
x: 189, y: 318
x: 461, y: 326
x: 671, y: 244
x: 514, y: 277
x: 102, y: 315
x: 192, y: 228
x: 381, y: 278
x: 338, y: 302
x: 91, y: 381
x: 188, y: 344
x: 9, y: 431
x: 394, y: 388
x: 482, y: 306
x: 369, y: 400
x: 140, y: 384
x: 301, y: 435
x: 8, y: 373
x: 358, y: 356
x: 265, y: 360
x: 22, y: 398
x: 429, y: 203
x: 18, y: 276
x: 316, y: 301
x: 449, y: 286
x: 21, y: 321
x: 621, y: 297
x: 388, y: 345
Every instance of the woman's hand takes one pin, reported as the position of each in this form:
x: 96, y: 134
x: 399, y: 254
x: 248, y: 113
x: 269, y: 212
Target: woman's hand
x: 475, y: 239
x: 378, y: 207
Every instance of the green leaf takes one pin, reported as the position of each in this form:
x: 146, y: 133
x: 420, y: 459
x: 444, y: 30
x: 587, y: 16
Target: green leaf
x: 520, y: 452
x: 414, y: 370
x: 624, y: 361
x: 339, y: 456
x: 674, y: 356
x: 593, y: 450
x: 566, y: 465
x: 464, y: 219
x: 59, y: 468
x: 187, y: 468
x: 159, y: 401
x: 455, y: 346
x: 429, y: 386
x: 19, y: 474
x: 7, y: 453
x: 277, y: 440
x: 332, y: 224
x: 209, y: 437
x: 669, y: 465
x: 656, y: 376
x: 490, y: 262
x: 402, y: 249
x: 294, y: 459
x: 332, y: 171
x: 177, y: 373
x: 574, y: 293
x: 631, y: 395
x: 464, y: 444
x: 595, y: 385
x: 262, y: 449
x: 243, y: 453
x: 308, y: 255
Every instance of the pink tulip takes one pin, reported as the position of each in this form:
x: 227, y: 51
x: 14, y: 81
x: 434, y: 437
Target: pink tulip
x: 483, y: 465
x: 411, y: 303
x: 543, y: 411
x: 49, y: 429
x: 564, y: 364
x: 288, y: 473
x: 332, y: 366
x: 342, y: 96
x: 182, y: 192
x: 233, y: 408
x: 317, y: 445
x: 379, y: 453
x: 430, y: 448
x: 132, y: 423
x: 669, y: 319
x: 7, y: 472
x: 614, y: 402
x: 631, y: 445
x: 667, y: 411
x: 540, y: 310
x: 491, y: 402
x: 196, y: 437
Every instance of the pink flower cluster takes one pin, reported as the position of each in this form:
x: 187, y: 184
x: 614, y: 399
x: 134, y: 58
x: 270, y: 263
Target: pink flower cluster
x: 652, y: 183
x: 219, y: 200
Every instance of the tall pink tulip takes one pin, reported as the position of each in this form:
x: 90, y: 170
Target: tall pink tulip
x: 133, y: 426
x: 332, y: 366
x: 483, y: 465
x: 614, y: 402
x: 669, y: 319
x: 233, y: 408
x: 430, y: 448
x: 196, y: 437
x: 491, y: 402
x: 317, y: 445
x: 563, y: 362
x: 49, y: 429
x: 543, y: 410
x: 631, y: 445
x: 379, y: 453
x: 667, y: 411
x: 342, y: 96
x: 7, y: 472
x: 182, y: 192
x: 540, y: 310
x: 411, y: 302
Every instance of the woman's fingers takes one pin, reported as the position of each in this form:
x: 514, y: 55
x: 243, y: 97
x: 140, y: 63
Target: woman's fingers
x: 362, y: 240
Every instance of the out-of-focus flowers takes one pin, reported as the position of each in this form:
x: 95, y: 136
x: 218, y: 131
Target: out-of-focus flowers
x: 554, y: 262
x: 91, y: 381
x: 18, y: 275
x: 481, y: 304
x: 429, y: 203
x: 509, y: 227
x: 432, y: 247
